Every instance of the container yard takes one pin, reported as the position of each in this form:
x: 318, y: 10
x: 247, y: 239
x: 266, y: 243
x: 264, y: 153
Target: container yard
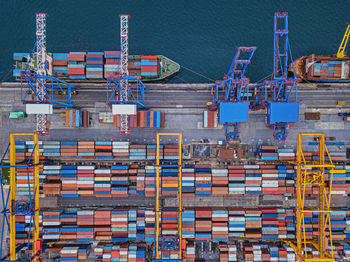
x: 98, y: 166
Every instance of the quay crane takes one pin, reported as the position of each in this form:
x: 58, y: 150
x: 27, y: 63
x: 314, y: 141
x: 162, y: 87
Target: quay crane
x: 123, y: 97
x: 233, y: 107
x: 282, y: 111
x: 38, y: 89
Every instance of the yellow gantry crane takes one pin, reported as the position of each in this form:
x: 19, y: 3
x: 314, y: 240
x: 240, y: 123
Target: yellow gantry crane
x: 30, y: 207
x: 344, y: 42
x: 312, y: 173
x: 158, y: 208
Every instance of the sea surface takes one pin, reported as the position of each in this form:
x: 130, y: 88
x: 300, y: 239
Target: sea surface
x: 201, y: 35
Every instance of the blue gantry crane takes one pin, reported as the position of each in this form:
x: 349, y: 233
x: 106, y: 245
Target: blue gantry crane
x: 122, y: 96
x: 279, y: 95
x: 233, y: 107
x: 38, y: 89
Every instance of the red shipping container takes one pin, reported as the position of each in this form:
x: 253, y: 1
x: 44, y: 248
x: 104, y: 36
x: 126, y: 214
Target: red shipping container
x: 94, y: 62
x: 76, y: 57
x: 76, y: 71
x: 112, y: 52
x: 60, y: 62
x: 148, y: 57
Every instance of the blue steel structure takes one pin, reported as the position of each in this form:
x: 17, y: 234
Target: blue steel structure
x: 28, y: 205
x: 135, y: 91
x: 279, y: 95
x: 233, y: 107
x: 29, y: 94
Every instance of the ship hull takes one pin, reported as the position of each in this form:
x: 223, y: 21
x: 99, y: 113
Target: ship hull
x: 322, y: 69
x: 95, y: 67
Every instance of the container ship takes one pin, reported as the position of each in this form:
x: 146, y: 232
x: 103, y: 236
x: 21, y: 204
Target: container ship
x: 97, y: 66
x: 316, y: 68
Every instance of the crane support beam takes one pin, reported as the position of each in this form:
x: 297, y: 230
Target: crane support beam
x: 312, y: 173
x: 124, y: 53
x: 41, y: 119
x: 344, y: 42
x: 23, y: 206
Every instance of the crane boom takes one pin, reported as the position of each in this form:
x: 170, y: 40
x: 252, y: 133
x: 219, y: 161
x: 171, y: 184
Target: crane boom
x: 344, y: 42
x: 124, y: 52
x: 41, y: 119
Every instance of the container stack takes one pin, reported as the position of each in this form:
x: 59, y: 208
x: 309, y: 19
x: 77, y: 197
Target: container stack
x: 190, y: 252
x: 120, y: 149
x: 152, y: 119
x: 203, y: 180
x: 120, y: 181
x: 220, y: 225
x: 171, y: 152
x: 169, y: 181
x: 150, y: 181
x: 169, y: 222
x: 86, y: 234
x: 86, y: 149
x: 220, y: 182
x: 69, y: 181
x: 152, y: 152
x: 210, y: 119
x: 252, y: 180
x: 76, y: 65
x: 188, y: 181
x: 270, y: 180
x: 149, y: 66
x: 69, y: 148
x: 102, y: 224
x: 253, y: 223
x: 236, y: 222
x: 188, y: 224
x: 51, y: 223
x: 112, y: 65
x: 140, y: 224
x: 94, y: 65
x: 223, y: 252
x: 102, y: 186
x: 268, y: 152
x: 77, y: 118
x: 150, y: 219
x: 85, y: 175
x: 69, y: 254
x: 140, y: 182
x: 51, y: 148
x: 103, y: 150
x: 203, y: 224
x: 138, y: 152
x: 232, y: 252
x: 236, y: 178
x: 60, y: 64
x: 269, y: 223
x: 25, y: 180
x: 119, y: 226
x: 132, y: 218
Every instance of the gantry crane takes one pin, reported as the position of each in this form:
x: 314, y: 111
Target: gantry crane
x: 38, y: 89
x: 341, y: 51
x: 167, y: 243
x: 276, y: 95
x: 312, y: 173
x: 26, y: 205
x: 124, y: 98
x: 233, y: 107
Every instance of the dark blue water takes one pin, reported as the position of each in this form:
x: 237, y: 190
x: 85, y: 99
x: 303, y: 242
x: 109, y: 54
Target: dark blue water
x: 201, y: 35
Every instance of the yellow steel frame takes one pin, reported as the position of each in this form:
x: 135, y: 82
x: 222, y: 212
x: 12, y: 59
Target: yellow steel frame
x: 179, y: 163
x: 344, y: 42
x: 35, y: 157
x: 311, y: 173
